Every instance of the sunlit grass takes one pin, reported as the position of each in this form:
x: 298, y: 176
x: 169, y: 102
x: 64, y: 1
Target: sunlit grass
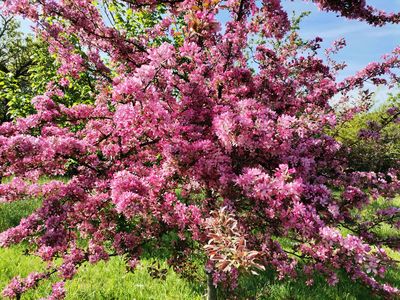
x: 110, y: 280
x: 105, y: 280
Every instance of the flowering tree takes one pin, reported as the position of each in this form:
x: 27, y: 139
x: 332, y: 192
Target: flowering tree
x: 216, y: 138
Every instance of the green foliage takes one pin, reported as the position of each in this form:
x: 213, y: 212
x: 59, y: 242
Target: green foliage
x: 379, y: 152
x: 18, y: 86
x: 132, y: 22
x: 26, y: 70
x: 15, y: 60
x: 137, y: 22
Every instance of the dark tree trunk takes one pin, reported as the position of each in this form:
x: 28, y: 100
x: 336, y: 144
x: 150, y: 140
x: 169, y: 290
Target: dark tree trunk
x: 211, y: 289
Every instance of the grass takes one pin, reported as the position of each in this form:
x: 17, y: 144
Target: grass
x: 105, y: 280
x: 109, y: 280
x: 12, y: 213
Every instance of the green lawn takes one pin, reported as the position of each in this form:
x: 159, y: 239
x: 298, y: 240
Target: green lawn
x: 111, y: 281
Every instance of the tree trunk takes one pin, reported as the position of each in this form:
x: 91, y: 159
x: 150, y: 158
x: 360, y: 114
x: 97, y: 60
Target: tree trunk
x: 211, y: 289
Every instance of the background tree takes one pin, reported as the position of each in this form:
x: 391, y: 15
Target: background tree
x: 373, y: 138
x: 15, y: 53
x: 27, y: 69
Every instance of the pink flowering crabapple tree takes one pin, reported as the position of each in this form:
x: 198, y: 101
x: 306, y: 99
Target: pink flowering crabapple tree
x: 214, y: 135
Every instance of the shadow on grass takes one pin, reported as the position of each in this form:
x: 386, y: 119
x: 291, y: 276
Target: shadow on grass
x: 12, y: 213
x: 267, y: 287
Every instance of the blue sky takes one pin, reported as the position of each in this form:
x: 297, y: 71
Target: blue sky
x: 365, y: 43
